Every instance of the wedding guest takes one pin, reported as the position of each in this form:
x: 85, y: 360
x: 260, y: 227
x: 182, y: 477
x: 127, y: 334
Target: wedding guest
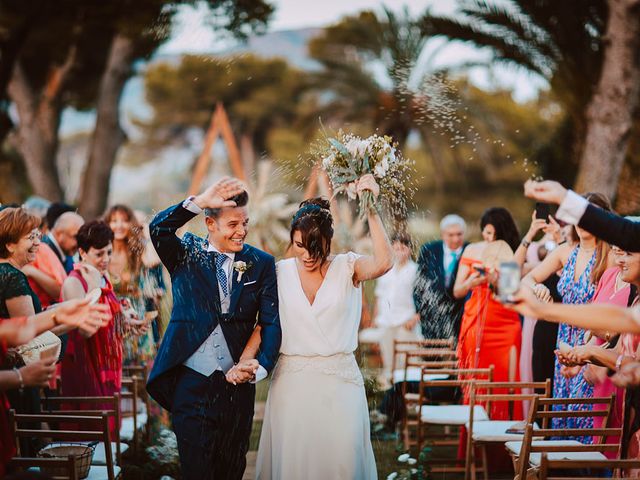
x: 92, y: 365
x: 54, y: 211
x: 17, y: 331
x: 582, y: 267
x: 19, y: 242
x: 490, y: 334
x: 612, y: 289
x: 396, y: 313
x: 126, y: 273
x: 438, y: 262
x: 62, y: 238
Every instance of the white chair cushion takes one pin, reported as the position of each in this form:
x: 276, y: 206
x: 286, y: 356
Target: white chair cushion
x: 535, y: 458
x: 413, y: 375
x: 495, y: 430
x: 126, y: 429
x: 451, y: 414
x: 100, y: 456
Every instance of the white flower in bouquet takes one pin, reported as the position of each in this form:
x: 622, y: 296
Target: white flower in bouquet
x: 347, y: 157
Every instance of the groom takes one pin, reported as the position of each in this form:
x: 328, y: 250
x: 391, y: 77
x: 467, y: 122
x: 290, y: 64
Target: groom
x: 221, y: 289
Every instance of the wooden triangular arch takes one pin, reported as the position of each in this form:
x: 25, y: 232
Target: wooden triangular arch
x: 219, y: 126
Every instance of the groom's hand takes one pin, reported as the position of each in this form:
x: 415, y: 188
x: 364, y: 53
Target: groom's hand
x: 243, y: 372
x: 218, y: 194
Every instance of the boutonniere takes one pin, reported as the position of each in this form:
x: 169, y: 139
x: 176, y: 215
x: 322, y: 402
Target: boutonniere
x: 241, y: 267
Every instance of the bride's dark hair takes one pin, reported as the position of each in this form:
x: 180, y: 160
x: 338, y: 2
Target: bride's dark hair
x: 314, y: 222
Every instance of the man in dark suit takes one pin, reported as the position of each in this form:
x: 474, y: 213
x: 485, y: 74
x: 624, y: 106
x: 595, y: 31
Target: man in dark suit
x: 576, y: 210
x: 222, y: 288
x: 62, y: 238
x: 438, y: 261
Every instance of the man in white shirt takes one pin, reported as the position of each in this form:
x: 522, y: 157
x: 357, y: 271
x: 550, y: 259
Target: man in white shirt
x: 395, y: 311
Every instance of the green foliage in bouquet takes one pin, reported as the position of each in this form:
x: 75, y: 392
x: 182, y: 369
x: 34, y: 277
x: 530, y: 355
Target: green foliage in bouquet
x: 347, y: 157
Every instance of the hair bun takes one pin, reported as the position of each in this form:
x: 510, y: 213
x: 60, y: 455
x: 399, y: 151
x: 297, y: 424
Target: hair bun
x: 319, y: 201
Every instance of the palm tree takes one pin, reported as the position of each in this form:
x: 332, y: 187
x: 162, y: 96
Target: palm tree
x: 561, y: 41
x: 347, y: 51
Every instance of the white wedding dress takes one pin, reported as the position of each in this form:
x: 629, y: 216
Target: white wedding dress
x: 316, y: 423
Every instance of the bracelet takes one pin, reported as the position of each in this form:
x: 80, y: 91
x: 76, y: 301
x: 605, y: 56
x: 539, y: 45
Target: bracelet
x: 20, y: 379
x: 525, y: 243
x: 619, y: 362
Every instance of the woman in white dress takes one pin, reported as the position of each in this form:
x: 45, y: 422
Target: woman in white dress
x: 316, y: 423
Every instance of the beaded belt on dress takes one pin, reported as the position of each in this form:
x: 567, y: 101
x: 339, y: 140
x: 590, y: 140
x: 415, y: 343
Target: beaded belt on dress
x: 341, y: 365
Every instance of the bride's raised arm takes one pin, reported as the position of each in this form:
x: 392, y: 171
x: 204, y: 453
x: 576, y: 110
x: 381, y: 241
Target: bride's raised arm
x: 372, y: 266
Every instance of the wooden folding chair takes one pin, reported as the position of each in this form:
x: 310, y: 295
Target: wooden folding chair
x: 482, y: 433
x: 402, y: 348
x: 131, y: 420
x: 558, y: 442
x: 69, y: 464
x: 619, y: 467
x: 96, y: 430
x: 416, y: 360
x: 54, y: 405
x: 448, y: 417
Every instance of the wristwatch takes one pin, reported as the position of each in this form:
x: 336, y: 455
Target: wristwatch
x: 525, y: 243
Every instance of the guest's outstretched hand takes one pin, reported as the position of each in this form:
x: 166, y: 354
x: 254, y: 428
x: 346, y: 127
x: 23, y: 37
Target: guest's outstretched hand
x: 218, y: 194
x: 547, y: 191
x: 525, y: 302
x: 82, y: 315
x: 628, y: 376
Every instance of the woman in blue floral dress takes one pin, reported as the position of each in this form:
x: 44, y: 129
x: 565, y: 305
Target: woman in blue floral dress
x: 581, y: 267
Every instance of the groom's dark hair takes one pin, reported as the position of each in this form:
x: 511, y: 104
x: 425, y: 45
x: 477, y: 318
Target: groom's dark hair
x: 241, y: 200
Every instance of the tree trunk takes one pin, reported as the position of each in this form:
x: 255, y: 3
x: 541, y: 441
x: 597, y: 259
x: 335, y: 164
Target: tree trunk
x: 610, y: 112
x: 39, y: 120
x: 108, y: 135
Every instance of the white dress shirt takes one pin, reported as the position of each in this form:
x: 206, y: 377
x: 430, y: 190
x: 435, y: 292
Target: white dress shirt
x: 394, y: 294
x: 205, y: 359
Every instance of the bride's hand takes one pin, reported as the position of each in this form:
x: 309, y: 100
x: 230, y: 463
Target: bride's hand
x: 367, y: 182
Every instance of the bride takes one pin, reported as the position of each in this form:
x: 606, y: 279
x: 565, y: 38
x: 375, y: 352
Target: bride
x: 316, y: 423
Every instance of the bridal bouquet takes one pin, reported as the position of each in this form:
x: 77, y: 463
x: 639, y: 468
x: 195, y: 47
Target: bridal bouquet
x: 348, y: 157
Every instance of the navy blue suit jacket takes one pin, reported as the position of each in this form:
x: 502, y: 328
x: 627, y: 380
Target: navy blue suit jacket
x: 611, y: 228
x: 196, y: 303
x: 431, y: 294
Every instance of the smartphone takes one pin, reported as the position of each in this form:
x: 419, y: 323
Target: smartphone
x: 481, y: 270
x: 508, y: 280
x: 543, y: 211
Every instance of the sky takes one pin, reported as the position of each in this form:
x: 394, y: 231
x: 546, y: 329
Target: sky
x: 192, y: 35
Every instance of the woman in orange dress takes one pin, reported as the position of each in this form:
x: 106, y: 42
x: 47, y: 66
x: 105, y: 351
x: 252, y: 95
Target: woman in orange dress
x: 490, y: 334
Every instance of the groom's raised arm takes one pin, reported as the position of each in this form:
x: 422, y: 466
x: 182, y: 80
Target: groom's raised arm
x: 162, y: 231
x: 269, y: 319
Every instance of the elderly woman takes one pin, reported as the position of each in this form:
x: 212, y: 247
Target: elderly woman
x: 19, y: 242
x: 17, y: 331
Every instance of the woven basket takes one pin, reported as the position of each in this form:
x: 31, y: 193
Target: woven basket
x: 82, y: 452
